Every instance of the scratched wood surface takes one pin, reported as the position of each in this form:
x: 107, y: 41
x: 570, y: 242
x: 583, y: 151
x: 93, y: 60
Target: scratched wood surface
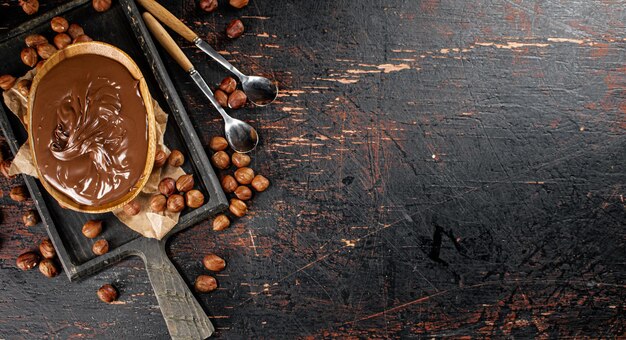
x: 439, y: 168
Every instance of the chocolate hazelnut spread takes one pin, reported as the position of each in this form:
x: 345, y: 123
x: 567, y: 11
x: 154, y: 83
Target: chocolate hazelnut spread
x: 90, y: 129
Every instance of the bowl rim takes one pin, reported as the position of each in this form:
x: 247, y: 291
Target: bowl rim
x: 114, y: 53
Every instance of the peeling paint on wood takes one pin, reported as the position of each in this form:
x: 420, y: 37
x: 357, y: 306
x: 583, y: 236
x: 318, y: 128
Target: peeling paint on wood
x: 474, y: 190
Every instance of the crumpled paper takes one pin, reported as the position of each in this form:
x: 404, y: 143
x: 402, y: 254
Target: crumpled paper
x: 147, y: 223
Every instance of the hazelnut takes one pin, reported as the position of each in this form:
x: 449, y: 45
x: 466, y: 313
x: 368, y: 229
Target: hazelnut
x: 48, y: 268
x: 47, y: 249
x: 205, y: 284
x: 29, y: 56
x: 221, y: 222
x: 218, y: 143
x: 92, y: 228
x: 238, y: 207
x: 4, y: 168
x: 244, y: 175
x: 160, y: 158
x: 29, y: 7
x: 35, y: 39
x: 27, y: 261
x: 107, y: 293
x: 167, y: 186
x: 45, y: 51
x: 194, y: 198
x: 176, y: 158
x: 260, y: 183
x: 23, y: 87
x: 30, y: 218
x: 175, y: 203
x: 208, y: 5
x: 221, y: 97
x: 157, y: 203
x: 75, y: 30
x: 39, y: 64
x: 228, y: 85
x: 59, y: 24
x: 214, y: 263
x: 184, y: 183
x: 243, y: 193
x: 101, y: 5
x: 100, y: 247
x: 82, y: 38
x: 6, y: 81
x: 234, y: 29
x: 132, y: 208
x: 229, y: 184
x: 62, y: 40
x: 220, y: 160
x: 18, y: 194
x: 238, y: 3
x: 237, y: 99
x: 240, y: 159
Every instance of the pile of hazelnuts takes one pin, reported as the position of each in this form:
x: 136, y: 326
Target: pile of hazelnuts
x: 45, y: 258
x: 38, y: 46
x: 235, y: 185
x: 235, y: 28
x: 228, y: 96
x: 170, y: 198
x: 175, y: 194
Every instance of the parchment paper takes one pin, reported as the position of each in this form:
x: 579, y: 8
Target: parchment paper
x: 147, y: 223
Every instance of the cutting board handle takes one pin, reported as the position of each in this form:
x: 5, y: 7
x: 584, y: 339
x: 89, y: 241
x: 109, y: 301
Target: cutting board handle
x: 183, y: 315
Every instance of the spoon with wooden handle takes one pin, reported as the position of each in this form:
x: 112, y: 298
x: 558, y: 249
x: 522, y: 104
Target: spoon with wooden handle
x: 260, y: 90
x: 240, y: 135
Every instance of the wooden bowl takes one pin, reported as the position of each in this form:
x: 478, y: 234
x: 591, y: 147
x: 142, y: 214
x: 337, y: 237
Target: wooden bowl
x: 111, y: 52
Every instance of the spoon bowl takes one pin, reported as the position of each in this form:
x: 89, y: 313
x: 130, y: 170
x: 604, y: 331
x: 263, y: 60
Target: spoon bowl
x: 260, y: 90
x: 240, y: 135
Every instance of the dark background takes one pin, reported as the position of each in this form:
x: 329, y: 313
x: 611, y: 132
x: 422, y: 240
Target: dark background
x: 438, y: 168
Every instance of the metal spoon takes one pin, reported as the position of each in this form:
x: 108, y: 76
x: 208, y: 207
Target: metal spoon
x: 260, y: 90
x: 240, y: 135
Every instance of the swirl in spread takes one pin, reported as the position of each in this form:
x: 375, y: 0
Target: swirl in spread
x: 91, y: 129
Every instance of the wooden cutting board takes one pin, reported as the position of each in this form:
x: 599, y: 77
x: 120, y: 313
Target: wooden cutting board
x: 121, y: 26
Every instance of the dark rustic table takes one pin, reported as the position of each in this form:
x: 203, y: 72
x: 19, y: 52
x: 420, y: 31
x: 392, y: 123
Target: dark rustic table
x: 439, y: 168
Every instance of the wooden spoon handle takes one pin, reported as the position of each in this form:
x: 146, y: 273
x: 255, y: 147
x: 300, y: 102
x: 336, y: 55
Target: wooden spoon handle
x: 167, y: 42
x: 168, y: 19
